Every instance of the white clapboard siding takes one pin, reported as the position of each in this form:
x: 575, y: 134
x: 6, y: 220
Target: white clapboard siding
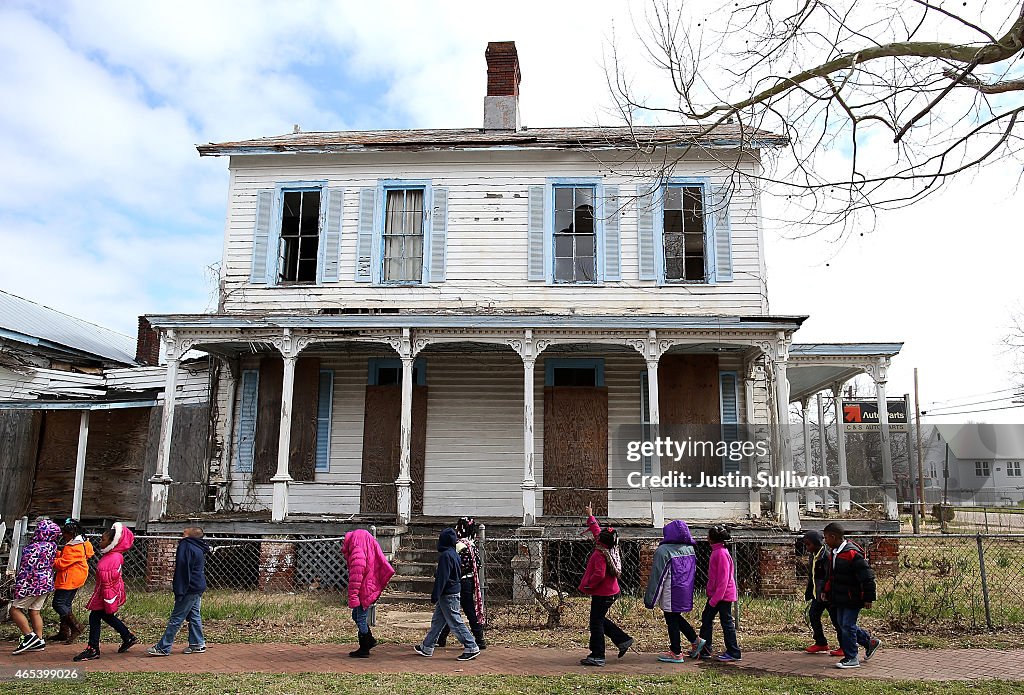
x: 487, y: 228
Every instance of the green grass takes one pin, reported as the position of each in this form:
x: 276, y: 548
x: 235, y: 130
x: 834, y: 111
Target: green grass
x: 703, y: 683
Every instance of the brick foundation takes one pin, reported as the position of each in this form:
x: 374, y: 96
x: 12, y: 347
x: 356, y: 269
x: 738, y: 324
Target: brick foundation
x: 160, y: 554
x: 884, y: 556
x: 777, y: 571
x: 277, y: 567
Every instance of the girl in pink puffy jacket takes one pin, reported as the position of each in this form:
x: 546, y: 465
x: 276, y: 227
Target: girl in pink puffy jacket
x: 109, y: 594
x: 368, y: 573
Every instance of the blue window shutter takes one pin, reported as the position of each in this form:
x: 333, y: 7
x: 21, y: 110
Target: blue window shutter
x: 364, y: 241
x: 721, y: 233
x: 537, y: 218
x: 323, y: 421
x: 332, y: 234
x: 645, y: 417
x: 247, y: 420
x: 645, y: 232
x: 261, y: 236
x: 729, y: 398
x: 612, y: 253
x: 439, y: 235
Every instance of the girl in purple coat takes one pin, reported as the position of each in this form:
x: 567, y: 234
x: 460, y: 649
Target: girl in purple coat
x: 670, y: 587
x: 33, y: 586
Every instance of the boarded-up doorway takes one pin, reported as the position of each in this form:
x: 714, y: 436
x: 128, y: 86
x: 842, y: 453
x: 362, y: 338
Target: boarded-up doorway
x: 575, y: 449
x: 382, y: 448
x: 689, y: 400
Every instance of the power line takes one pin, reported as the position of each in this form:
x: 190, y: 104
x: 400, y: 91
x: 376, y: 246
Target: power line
x: 982, y: 410
x: 964, y: 405
x: 977, y: 395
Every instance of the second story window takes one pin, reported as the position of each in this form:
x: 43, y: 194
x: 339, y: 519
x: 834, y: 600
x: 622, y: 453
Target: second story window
x: 684, y: 234
x: 575, y: 241
x: 403, y: 235
x: 299, y: 244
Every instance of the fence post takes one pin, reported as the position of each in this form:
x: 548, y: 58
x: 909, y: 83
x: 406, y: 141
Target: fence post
x: 482, y: 570
x: 371, y: 618
x: 736, y: 583
x: 984, y: 582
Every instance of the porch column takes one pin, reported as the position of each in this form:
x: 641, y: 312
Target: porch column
x: 290, y: 353
x: 83, y: 439
x: 844, y: 481
x: 161, y: 480
x: 748, y: 401
x: 529, y: 356
x: 809, y: 500
x: 403, y: 483
x: 786, y: 504
x: 654, y: 409
x: 825, y: 502
x: 881, y: 375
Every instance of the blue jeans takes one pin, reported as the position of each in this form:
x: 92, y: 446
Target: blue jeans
x: 850, y: 634
x: 186, y: 607
x: 707, y: 624
x: 447, y: 612
x: 360, y: 615
x: 62, y: 599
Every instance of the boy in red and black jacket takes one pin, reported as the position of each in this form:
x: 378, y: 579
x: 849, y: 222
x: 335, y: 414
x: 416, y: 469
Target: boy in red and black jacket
x: 850, y: 586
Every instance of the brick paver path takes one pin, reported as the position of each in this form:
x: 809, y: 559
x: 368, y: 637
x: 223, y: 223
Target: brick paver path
x: 909, y: 664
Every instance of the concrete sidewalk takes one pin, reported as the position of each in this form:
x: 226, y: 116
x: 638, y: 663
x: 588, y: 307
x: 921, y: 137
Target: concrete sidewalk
x: 902, y: 664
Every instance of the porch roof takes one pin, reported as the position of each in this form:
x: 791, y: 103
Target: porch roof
x: 470, y: 321
x: 814, y: 367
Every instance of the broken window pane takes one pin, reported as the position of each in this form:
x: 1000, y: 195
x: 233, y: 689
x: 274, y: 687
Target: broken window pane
x: 300, y: 236
x: 403, y: 235
x: 575, y: 244
x: 683, y: 233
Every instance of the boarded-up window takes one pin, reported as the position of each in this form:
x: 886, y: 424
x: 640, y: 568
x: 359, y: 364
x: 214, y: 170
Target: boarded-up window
x: 305, y: 402
x: 403, y: 235
x: 684, y: 234
x: 575, y: 240
x: 299, y: 246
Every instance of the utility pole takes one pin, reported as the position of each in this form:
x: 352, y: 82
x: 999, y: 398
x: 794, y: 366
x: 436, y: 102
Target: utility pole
x: 915, y: 513
x: 945, y: 489
x: 920, y: 445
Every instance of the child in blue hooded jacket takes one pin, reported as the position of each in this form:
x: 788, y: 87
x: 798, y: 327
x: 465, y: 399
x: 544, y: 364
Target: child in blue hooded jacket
x: 445, y: 597
x: 670, y: 587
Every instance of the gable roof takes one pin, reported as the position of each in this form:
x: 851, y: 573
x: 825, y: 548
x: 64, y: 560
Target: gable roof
x: 35, y: 324
x: 982, y: 441
x: 726, y: 135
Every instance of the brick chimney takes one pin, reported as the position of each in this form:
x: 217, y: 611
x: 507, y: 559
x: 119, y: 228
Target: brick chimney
x: 147, y: 347
x: 501, y: 105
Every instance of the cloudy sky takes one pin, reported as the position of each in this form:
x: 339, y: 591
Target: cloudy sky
x: 107, y: 211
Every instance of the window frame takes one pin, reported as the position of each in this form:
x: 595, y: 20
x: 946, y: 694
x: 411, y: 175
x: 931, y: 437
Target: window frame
x: 383, y: 186
x: 704, y: 183
x: 1016, y: 469
x: 982, y: 469
x: 375, y: 364
x: 597, y: 184
x: 277, y: 221
x: 595, y: 363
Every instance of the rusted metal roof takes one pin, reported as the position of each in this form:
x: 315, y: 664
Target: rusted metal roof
x: 727, y: 135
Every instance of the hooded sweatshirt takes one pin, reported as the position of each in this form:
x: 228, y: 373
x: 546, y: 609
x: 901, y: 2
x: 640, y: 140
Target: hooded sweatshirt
x: 670, y: 585
x: 190, y: 566
x: 109, y: 594
x: 597, y: 580
x: 35, y: 574
x: 446, y: 577
x: 72, y: 564
x: 368, y: 570
x: 818, y: 566
x: 721, y: 586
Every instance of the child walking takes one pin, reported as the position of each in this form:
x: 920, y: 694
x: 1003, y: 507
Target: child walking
x: 470, y: 595
x: 849, y: 588
x: 188, y: 585
x: 33, y: 584
x: 601, y: 582
x: 109, y: 594
x: 445, y: 596
x: 368, y: 573
x: 72, y: 567
x: 813, y: 543
x: 670, y: 587
x: 721, y: 592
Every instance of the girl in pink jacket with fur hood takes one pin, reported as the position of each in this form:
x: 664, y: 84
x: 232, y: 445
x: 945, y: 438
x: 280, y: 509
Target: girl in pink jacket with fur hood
x: 368, y: 573
x: 109, y: 594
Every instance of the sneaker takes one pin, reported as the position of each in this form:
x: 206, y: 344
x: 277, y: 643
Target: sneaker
x: 873, y: 645
x: 88, y: 655
x: 128, y: 644
x: 698, y: 648
x: 838, y: 651
x: 421, y: 651
x: 818, y: 648
x: 26, y: 643
x: 624, y: 647
x: 671, y: 658
x: 848, y: 663
x: 37, y: 646
x: 727, y: 657
x: 468, y: 656
x: 194, y: 649
x: 592, y: 661
x: 153, y: 651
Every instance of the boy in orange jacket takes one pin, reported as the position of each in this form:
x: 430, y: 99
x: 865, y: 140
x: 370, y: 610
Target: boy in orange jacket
x: 72, y: 569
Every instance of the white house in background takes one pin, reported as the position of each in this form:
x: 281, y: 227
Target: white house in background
x: 986, y: 464
x: 424, y: 323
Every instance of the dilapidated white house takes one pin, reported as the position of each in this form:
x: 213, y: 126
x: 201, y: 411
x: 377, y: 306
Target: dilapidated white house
x: 426, y: 323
